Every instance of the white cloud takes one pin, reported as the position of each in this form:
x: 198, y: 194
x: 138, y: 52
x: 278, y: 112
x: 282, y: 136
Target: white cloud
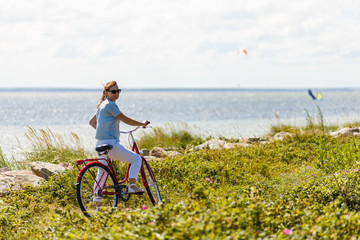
x: 180, y: 43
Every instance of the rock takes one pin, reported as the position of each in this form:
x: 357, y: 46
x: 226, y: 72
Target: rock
x: 65, y: 165
x: 346, y: 132
x: 281, y: 135
x: 18, y: 172
x: 254, y: 139
x: 157, y: 152
x: 211, y: 144
x: 230, y: 145
x: 173, y: 153
x: 45, y: 170
x: 246, y: 140
x: 244, y: 144
x: 15, y: 179
x: 6, y: 182
x: 145, y: 152
x: 4, y: 169
x: 220, y: 144
x: 235, y: 145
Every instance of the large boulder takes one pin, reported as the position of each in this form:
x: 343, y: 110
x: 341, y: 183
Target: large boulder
x: 45, y: 170
x: 15, y: 179
x: 145, y: 152
x: 157, y: 152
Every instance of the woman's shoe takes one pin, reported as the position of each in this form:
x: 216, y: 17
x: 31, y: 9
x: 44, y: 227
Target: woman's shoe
x: 133, y: 189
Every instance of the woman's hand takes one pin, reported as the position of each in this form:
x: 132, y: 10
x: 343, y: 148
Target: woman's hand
x: 145, y: 123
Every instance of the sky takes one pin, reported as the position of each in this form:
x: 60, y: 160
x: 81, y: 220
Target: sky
x: 186, y: 44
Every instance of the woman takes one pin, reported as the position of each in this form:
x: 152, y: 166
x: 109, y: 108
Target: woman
x: 106, y: 123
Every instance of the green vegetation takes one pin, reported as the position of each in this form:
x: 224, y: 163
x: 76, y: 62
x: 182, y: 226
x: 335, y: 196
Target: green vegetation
x: 352, y: 124
x: 10, y: 163
x: 305, y: 186
x: 314, y: 124
x: 170, y: 137
x: 3, y: 161
x: 47, y: 146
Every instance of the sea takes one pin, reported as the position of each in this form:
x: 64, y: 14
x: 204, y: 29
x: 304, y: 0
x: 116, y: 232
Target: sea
x: 231, y: 113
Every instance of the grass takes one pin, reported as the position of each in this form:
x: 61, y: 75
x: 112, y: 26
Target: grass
x: 170, y: 136
x: 3, y: 162
x: 352, y: 124
x: 47, y: 146
x: 307, y: 183
x: 315, y: 124
x: 10, y: 163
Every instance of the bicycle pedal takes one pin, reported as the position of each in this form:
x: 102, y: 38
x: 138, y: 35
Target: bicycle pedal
x: 137, y: 193
x: 120, y: 187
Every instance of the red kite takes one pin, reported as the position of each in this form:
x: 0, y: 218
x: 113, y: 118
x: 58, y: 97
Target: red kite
x: 241, y: 50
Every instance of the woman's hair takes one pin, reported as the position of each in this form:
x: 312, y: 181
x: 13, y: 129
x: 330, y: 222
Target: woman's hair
x: 106, y: 87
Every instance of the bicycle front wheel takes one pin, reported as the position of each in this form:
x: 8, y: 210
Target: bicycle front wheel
x: 95, y: 189
x: 151, y: 185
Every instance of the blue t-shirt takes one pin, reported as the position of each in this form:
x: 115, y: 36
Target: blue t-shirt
x: 107, y: 126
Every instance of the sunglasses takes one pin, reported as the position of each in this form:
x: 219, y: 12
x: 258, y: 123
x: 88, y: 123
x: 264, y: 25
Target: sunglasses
x: 114, y: 91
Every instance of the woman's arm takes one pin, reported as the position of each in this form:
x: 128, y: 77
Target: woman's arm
x: 132, y: 122
x: 93, y: 122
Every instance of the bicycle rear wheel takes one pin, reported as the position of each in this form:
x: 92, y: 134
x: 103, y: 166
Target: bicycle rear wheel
x: 95, y: 189
x: 152, y: 187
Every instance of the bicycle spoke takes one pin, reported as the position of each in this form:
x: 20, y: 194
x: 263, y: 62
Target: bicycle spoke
x: 94, y: 182
x: 152, y: 187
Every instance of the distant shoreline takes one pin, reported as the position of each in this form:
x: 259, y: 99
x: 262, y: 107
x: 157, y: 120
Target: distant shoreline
x: 235, y: 89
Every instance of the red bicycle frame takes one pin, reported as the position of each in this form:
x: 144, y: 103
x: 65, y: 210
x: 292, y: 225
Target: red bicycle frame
x: 86, y: 162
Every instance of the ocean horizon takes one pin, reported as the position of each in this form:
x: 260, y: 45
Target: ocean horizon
x: 175, y: 89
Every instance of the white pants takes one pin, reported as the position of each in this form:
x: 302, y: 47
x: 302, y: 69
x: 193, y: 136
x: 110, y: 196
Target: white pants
x: 120, y: 153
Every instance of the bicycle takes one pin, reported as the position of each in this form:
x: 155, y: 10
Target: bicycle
x: 96, y: 179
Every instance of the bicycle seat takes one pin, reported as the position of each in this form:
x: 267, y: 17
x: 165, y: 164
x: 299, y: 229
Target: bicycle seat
x: 103, y: 148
